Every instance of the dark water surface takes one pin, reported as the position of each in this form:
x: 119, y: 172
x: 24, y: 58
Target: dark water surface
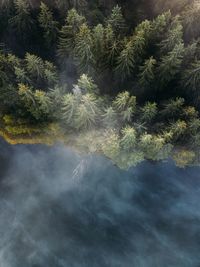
x: 60, y: 210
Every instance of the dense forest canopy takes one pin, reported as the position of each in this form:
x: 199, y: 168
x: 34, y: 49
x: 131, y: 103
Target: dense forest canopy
x: 123, y: 75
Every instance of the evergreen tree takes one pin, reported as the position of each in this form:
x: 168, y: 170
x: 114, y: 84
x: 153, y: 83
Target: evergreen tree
x: 126, y: 61
x: 69, y: 109
x: 128, y: 141
x: 133, y: 50
x: 22, y: 21
x: 147, y: 72
x: 112, y: 47
x: 178, y: 129
x: 116, y: 20
x: 149, y: 111
x: 87, y: 85
x: 170, y: 65
x: 87, y: 113
x: 83, y: 48
x: 191, y: 79
x: 34, y: 66
x: 99, y: 48
x: 152, y: 146
x: 110, y: 118
x: 68, y: 33
x: 173, y: 108
x: 174, y: 36
x: 160, y: 25
x: 125, y: 105
x: 48, y: 24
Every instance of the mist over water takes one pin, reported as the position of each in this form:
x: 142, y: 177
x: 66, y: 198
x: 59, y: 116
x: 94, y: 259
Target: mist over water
x: 58, y: 209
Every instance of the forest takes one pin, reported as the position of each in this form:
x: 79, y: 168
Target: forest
x: 121, y: 78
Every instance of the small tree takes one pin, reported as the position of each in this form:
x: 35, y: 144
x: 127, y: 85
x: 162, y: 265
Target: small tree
x: 125, y: 105
x: 68, y: 33
x: 22, y: 21
x: 149, y: 111
x: 128, y: 141
x: 191, y: 78
x: 87, y: 113
x: 109, y: 118
x: 147, y: 72
x: 83, y: 48
x: 174, y: 36
x: 48, y: 24
x: 170, y: 65
x: 87, y: 85
x: 116, y: 20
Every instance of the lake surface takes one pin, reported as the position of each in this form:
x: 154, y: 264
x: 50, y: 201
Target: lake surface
x: 58, y: 209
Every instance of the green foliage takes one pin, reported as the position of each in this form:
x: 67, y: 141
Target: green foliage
x: 110, y: 118
x: 68, y: 33
x: 178, y: 129
x: 184, y: 158
x: 149, y: 111
x: 87, y: 84
x: 48, y: 24
x: 111, y: 145
x: 22, y: 21
x: 34, y: 66
x: 191, y: 78
x: 133, y: 50
x: 70, y: 104
x: 116, y: 20
x: 173, y: 108
x: 87, y: 112
x: 147, y: 72
x: 174, y: 36
x: 83, y: 48
x: 156, y: 60
x: 128, y: 141
x: 153, y: 146
x: 125, y: 105
x: 170, y: 65
x: 37, y: 103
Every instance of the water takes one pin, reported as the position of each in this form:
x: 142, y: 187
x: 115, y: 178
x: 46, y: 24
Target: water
x: 58, y: 209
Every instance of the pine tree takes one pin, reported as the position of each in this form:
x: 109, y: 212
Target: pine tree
x: 170, y: 65
x: 134, y: 50
x: 22, y: 21
x: 110, y: 118
x: 149, y: 111
x: 152, y: 146
x: 87, y: 85
x: 68, y: 33
x: 126, y: 61
x: 147, y: 72
x: 69, y: 109
x: 160, y: 25
x: 87, y: 113
x: 191, y: 79
x: 83, y: 48
x: 174, y: 36
x: 34, y: 66
x: 48, y: 24
x: 99, y: 46
x: 112, y: 47
x: 173, y: 108
x: 178, y: 129
x: 116, y: 20
x: 50, y: 73
x: 125, y: 105
x: 128, y: 141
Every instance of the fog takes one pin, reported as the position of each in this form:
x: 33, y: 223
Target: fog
x: 60, y: 209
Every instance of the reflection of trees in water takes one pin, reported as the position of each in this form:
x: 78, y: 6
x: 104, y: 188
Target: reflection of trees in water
x: 81, y: 168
